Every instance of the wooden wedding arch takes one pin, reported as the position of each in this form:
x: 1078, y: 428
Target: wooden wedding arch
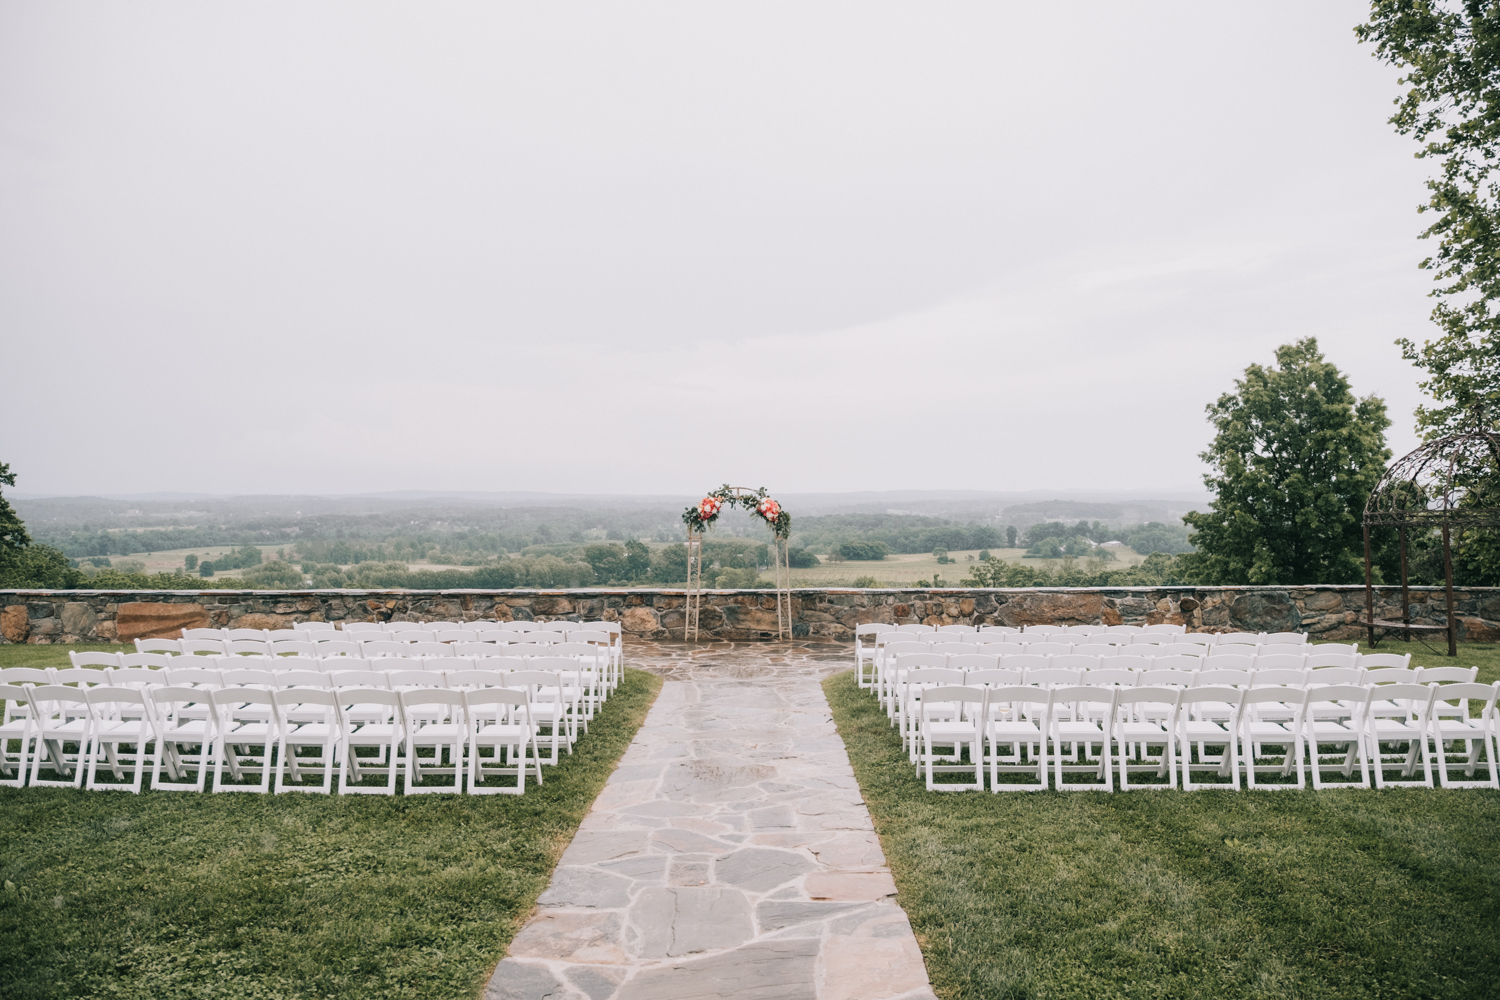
x: 700, y: 517
x: 1452, y: 484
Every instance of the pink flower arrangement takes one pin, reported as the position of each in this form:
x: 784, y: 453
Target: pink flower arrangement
x: 708, y: 507
x: 769, y: 509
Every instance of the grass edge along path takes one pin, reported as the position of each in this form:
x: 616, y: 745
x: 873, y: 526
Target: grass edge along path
x: 1150, y: 894
x: 178, y: 894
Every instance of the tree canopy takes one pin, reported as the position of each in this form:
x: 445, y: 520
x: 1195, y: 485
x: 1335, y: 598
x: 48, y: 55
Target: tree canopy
x: 1293, y: 460
x: 1449, y: 52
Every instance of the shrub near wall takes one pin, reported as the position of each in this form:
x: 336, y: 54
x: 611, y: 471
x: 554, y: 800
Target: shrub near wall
x: 1329, y: 612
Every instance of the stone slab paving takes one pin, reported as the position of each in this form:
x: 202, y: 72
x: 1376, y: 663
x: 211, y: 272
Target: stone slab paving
x: 730, y: 854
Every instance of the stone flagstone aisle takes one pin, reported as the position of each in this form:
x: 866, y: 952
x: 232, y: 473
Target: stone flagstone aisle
x: 729, y: 855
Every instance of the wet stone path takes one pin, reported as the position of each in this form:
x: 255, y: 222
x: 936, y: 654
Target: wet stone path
x: 729, y: 855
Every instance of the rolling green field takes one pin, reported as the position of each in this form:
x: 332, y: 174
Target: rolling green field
x: 1215, y: 895
x: 163, y: 896
x: 904, y: 570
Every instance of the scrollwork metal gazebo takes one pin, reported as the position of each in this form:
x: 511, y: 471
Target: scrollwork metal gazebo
x: 1451, y: 483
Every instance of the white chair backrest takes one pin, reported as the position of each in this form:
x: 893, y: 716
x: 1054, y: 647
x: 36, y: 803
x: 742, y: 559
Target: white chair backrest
x: 1228, y: 661
x: 1331, y: 659
x: 1049, y: 648
x: 1023, y: 662
x: 1296, y: 638
x: 1126, y: 661
x: 970, y: 662
x: 1279, y: 661
x: 1447, y: 675
x: 1222, y: 676
x: 1074, y: 661
x: 1167, y: 678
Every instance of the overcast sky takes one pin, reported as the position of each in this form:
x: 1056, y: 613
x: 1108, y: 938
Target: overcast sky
x: 647, y: 248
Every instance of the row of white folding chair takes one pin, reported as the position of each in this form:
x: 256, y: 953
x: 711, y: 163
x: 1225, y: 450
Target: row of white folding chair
x: 1099, y: 649
x: 1042, y: 723
x: 222, y: 724
x: 888, y: 668
x: 874, y: 627
x: 194, y: 649
x: 476, y: 625
x: 1049, y: 672
x: 311, y: 639
x: 1293, y: 639
x: 868, y: 638
x: 588, y: 672
x: 1330, y: 669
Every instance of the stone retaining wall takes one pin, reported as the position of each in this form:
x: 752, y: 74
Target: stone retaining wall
x: 1328, y: 612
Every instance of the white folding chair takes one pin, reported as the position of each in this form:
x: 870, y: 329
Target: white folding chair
x: 185, y: 734
x: 171, y: 647
x: 16, y: 724
x: 864, y: 652
x: 1192, y: 725
x: 121, y: 716
x: 500, y: 718
x: 1348, y: 732
x: 1015, y: 717
x: 307, y: 719
x: 372, y: 720
x: 952, y: 716
x: 244, y: 717
x: 1078, y: 716
x: 62, y: 717
x: 436, y: 719
x: 1476, y: 733
x: 1270, y: 716
x: 1406, y: 723
x: 1140, y: 718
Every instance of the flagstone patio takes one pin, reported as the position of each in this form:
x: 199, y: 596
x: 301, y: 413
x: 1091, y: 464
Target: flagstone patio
x: 729, y: 855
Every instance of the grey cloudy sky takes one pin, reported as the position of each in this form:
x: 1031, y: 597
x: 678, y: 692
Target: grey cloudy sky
x: 645, y: 248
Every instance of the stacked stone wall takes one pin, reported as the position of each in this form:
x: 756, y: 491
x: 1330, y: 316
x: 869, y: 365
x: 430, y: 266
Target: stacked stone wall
x: 1328, y: 612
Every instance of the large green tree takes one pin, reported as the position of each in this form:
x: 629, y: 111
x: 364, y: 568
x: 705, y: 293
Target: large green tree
x: 22, y: 563
x: 13, y: 536
x: 1293, y: 461
x: 1449, y: 52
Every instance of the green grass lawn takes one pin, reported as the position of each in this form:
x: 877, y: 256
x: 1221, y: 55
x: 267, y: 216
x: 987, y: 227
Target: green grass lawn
x: 1219, y: 895
x: 168, y: 895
